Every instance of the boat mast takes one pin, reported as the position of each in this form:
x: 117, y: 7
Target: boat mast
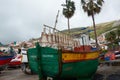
x: 56, y: 19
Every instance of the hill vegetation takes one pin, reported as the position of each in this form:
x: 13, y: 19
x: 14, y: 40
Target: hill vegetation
x: 100, y: 28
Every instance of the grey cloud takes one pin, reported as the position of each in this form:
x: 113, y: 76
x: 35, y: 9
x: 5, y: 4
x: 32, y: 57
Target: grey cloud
x: 23, y: 19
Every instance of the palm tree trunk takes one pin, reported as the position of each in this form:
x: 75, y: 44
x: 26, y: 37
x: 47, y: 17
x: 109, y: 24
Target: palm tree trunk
x: 68, y: 30
x: 95, y: 31
x: 68, y: 26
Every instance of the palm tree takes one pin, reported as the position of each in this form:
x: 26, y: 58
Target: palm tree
x: 111, y: 36
x: 68, y: 11
x: 92, y: 7
x: 118, y: 32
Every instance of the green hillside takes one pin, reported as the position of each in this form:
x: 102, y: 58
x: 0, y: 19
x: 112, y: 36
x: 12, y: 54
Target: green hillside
x: 103, y: 27
x: 100, y: 28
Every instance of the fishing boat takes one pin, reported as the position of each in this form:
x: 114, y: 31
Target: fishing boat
x: 5, y: 58
x: 61, y: 56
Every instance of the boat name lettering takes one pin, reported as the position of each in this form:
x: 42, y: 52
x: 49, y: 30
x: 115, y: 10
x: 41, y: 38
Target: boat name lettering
x: 47, y: 56
x: 33, y: 56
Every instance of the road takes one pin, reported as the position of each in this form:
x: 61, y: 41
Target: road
x: 16, y: 74
x: 106, y: 72
x: 103, y: 73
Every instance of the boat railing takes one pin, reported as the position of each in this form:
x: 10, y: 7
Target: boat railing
x: 54, y: 38
x: 57, y: 39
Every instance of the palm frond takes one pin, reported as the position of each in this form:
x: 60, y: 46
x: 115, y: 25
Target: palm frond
x: 89, y: 12
x: 97, y: 9
x: 85, y: 8
x: 83, y: 2
x: 91, y: 6
x: 100, y: 2
x: 69, y: 9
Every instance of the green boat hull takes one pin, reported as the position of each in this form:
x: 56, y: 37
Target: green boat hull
x: 47, y: 62
x: 83, y: 69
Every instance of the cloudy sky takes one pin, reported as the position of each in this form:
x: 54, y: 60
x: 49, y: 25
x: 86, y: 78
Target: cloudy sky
x: 21, y: 20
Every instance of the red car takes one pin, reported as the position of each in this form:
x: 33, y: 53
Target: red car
x: 16, y: 61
